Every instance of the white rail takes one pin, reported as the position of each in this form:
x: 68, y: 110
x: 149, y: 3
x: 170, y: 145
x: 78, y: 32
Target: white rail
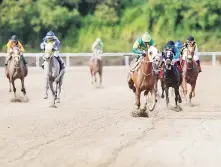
x: 126, y: 56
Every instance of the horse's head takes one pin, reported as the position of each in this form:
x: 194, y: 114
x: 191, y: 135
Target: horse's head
x: 188, y: 54
x: 16, y: 56
x: 155, y: 55
x: 168, y: 59
x: 49, y: 50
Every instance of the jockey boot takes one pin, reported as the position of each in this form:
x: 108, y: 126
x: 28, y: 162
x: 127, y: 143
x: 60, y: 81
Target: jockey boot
x: 199, y: 67
x: 23, y: 59
x: 60, y: 61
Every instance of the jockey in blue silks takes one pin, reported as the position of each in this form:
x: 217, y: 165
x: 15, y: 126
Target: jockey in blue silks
x: 50, y: 36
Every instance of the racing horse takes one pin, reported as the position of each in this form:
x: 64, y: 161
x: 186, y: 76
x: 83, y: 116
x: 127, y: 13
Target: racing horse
x: 171, y: 78
x: 96, y: 66
x: 52, y: 73
x: 143, y: 79
x: 190, y: 73
x: 16, y: 69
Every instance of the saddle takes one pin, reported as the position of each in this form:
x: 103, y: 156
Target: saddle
x: 135, y: 64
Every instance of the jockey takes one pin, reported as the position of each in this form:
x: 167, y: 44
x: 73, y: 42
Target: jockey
x: 13, y: 42
x: 97, y: 46
x: 178, y: 45
x: 192, y: 43
x: 171, y: 46
x: 50, y: 36
x: 142, y: 43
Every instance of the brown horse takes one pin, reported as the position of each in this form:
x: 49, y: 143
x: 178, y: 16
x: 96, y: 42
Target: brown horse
x: 190, y: 73
x: 96, y: 66
x: 16, y: 69
x: 143, y: 79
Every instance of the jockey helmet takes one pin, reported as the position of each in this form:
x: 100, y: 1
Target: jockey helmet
x: 14, y: 38
x: 178, y: 44
x: 98, y: 40
x: 146, y: 37
x: 190, y: 41
x: 50, y: 35
x: 170, y: 45
x: 190, y: 38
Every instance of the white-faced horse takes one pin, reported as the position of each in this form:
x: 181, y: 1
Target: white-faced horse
x: 52, y: 73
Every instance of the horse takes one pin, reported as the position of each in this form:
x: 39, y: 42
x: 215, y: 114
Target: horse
x: 171, y: 78
x: 157, y: 70
x: 190, y: 73
x: 96, y: 66
x: 52, y: 73
x: 143, y: 79
x: 16, y: 69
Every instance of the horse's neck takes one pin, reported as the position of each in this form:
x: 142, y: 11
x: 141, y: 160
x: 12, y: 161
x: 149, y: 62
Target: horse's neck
x: 146, y: 64
x: 48, y: 66
x: 189, y: 66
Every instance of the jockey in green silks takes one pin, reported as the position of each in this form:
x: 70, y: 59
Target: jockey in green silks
x: 141, y: 45
x: 97, y: 47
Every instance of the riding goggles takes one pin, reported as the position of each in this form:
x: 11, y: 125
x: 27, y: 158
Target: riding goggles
x: 169, y: 47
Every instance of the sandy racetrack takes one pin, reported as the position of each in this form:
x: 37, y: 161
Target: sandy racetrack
x: 92, y: 127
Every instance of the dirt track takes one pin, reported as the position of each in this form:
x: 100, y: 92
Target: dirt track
x: 92, y: 127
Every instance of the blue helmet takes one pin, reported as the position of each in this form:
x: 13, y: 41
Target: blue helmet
x: 178, y: 44
x: 50, y: 33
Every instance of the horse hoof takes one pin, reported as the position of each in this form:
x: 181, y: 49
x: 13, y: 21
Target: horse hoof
x: 162, y: 96
x: 46, y: 97
x: 134, y: 113
x: 58, y: 101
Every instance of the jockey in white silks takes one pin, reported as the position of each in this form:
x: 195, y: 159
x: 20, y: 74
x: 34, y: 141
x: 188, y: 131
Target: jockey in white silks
x: 97, y: 47
x: 191, y: 43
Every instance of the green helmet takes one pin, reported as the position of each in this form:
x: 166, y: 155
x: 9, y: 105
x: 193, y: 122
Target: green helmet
x: 98, y: 40
x: 14, y: 38
x: 146, y: 37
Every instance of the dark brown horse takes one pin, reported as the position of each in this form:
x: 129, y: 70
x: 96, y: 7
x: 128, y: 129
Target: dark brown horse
x: 190, y: 73
x: 143, y: 79
x: 16, y: 70
x: 96, y: 66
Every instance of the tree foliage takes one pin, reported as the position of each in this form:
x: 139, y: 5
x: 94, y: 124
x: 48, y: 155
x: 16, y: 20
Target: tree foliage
x: 77, y: 23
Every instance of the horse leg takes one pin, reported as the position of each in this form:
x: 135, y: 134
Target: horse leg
x: 13, y: 85
x: 23, y: 86
x: 100, y: 73
x: 137, y: 94
x: 59, y: 88
x: 193, y: 86
x: 146, y: 98
x: 176, y: 95
x: 56, y: 91
x: 154, y: 99
x: 163, y: 89
x: 156, y: 86
x: 192, y: 92
x: 92, y: 81
x: 131, y: 83
x: 167, y: 95
x: 184, y: 85
x: 46, y: 88
x: 10, y: 86
x: 53, y: 91
x: 95, y: 77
